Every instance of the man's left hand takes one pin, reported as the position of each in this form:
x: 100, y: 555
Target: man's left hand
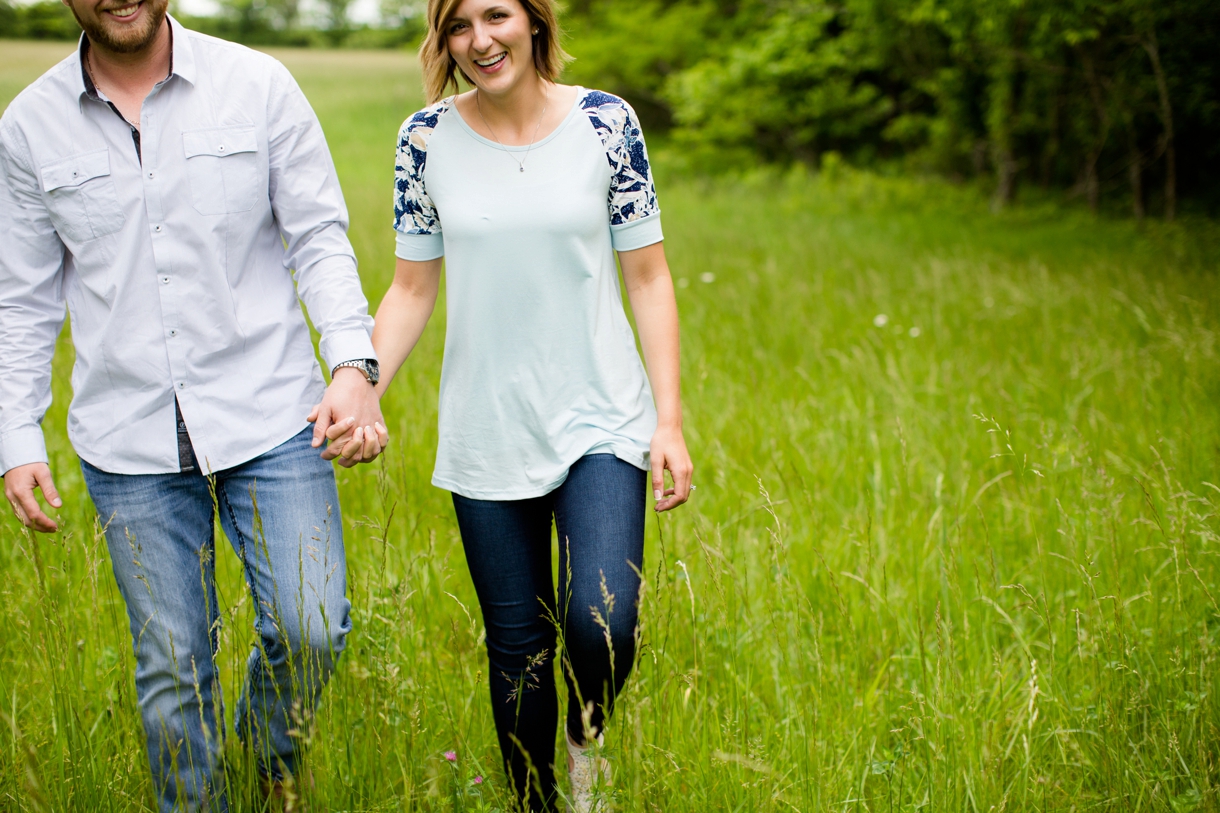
x: 350, y: 417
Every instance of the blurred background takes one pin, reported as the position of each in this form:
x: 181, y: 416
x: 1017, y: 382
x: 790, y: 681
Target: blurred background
x: 1114, y: 103
x: 947, y: 275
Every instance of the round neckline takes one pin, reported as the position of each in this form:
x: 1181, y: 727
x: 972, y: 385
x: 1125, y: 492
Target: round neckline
x: 559, y: 128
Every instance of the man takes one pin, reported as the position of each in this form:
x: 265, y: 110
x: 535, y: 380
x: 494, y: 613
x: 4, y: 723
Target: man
x: 162, y: 184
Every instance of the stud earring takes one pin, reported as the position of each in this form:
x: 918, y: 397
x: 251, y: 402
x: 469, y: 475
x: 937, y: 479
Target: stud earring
x: 535, y: 31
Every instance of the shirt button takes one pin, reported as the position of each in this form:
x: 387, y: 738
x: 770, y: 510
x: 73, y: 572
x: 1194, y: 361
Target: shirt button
x: 150, y: 175
x: 181, y: 385
x: 221, y: 148
x: 157, y: 228
x: 165, y: 280
x: 173, y: 333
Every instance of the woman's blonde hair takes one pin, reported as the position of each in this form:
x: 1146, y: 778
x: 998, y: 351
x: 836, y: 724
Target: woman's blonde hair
x: 440, y: 68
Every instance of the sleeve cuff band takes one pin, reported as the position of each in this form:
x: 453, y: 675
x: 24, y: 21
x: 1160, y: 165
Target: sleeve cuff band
x: 419, y: 247
x: 346, y: 346
x: 637, y: 233
x: 21, y: 446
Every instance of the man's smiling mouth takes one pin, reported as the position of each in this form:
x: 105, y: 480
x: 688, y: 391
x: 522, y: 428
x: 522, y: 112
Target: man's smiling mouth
x: 124, y: 11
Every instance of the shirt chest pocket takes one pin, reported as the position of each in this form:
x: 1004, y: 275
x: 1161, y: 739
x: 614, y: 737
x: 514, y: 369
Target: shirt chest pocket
x: 80, y: 196
x: 224, y: 169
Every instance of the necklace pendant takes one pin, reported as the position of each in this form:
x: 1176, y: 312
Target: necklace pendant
x: 521, y: 169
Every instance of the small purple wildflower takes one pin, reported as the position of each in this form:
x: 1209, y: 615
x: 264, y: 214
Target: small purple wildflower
x: 478, y: 780
x: 450, y: 756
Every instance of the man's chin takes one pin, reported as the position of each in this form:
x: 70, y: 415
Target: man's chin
x: 121, y: 39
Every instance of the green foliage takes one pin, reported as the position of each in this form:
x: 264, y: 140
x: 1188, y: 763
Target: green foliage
x: 1098, y: 97
x: 792, y: 91
x: 631, y: 49
x: 253, y: 22
x: 955, y: 544
x: 46, y: 20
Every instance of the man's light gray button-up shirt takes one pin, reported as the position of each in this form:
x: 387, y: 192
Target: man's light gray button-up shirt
x: 177, y: 269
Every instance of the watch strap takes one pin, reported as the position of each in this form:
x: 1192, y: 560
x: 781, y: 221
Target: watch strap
x: 362, y: 365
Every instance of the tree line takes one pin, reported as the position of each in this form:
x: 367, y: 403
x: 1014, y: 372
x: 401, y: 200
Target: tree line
x: 253, y: 22
x: 1116, y: 102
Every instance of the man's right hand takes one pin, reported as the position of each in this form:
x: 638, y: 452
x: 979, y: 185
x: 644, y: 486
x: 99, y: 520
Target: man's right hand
x: 19, y: 485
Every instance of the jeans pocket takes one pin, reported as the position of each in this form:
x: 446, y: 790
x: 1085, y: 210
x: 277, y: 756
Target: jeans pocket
x: 224, y: 170
x: 80, y: 196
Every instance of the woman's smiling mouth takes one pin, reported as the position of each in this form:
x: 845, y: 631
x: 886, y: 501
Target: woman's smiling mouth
x: 491, y: 61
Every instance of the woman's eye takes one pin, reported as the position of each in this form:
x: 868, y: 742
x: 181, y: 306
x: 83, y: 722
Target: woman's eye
x: 456, y: 28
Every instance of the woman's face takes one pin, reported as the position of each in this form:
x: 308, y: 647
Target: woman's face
x: 492, y: 43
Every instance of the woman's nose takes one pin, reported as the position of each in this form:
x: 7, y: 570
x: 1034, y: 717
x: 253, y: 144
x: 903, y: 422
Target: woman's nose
x: 481, y: 40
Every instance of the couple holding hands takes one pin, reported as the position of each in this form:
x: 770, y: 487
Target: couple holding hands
x: 168, y: 189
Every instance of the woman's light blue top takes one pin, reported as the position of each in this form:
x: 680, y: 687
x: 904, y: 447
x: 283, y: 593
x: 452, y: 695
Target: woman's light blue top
x: 540, y: 366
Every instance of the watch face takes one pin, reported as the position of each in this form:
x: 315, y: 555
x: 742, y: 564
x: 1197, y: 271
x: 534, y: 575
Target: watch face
x: 373, y: 369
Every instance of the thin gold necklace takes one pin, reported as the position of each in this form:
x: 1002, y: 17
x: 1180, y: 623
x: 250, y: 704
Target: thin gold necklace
x: 546, y: 96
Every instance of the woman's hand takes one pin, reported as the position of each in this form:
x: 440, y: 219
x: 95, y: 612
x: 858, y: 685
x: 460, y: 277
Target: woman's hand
x: 668, y: 451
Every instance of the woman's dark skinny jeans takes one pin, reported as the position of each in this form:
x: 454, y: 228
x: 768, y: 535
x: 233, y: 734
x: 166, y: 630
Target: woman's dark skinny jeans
x: 599, y: 515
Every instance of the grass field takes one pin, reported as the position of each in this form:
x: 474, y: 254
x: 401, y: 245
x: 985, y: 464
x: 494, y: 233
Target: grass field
x: 955, y: 546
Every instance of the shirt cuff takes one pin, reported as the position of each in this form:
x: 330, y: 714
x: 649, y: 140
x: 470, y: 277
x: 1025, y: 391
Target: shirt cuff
x: 21, y: 446
x: 346, y: 345
x: 419, y: 247
x: 636, y: 233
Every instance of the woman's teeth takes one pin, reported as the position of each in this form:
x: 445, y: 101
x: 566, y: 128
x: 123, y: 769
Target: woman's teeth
x: 487, y: 63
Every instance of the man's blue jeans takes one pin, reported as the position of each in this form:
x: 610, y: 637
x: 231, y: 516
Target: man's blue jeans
x: 280, y: 511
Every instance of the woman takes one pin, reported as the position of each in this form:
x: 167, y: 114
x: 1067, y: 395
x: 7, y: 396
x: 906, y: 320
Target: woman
x: 527, y: 188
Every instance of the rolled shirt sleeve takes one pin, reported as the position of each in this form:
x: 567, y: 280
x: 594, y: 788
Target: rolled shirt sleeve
x: 313, y: 220
x: 31, y: 305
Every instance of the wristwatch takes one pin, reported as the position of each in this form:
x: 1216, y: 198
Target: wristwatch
x: 370, y: 368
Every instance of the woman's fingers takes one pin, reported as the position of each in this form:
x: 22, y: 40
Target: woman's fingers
x: 339, y: 429
x: 361, y: 444
x: 681, y: 474
x: 371, y: 447
x: 350, y: 447
x: 658, y: 476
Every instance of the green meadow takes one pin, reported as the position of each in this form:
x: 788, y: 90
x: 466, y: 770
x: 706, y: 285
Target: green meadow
x: 955, y: 544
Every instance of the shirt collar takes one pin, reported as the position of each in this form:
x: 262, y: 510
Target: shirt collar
x: 182, y: 55
x: 181, y: 58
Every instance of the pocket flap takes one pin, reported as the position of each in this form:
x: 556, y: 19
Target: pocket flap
x: 75, y: 170
x: 220, y: 141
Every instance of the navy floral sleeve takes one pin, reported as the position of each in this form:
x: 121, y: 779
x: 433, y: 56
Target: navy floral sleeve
x: 632, y: 195
x: 414, y: 212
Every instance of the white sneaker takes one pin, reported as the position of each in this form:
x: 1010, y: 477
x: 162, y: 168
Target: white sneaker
x: 588, y: 777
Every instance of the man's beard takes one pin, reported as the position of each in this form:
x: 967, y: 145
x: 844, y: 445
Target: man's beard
x: 134, y: 41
